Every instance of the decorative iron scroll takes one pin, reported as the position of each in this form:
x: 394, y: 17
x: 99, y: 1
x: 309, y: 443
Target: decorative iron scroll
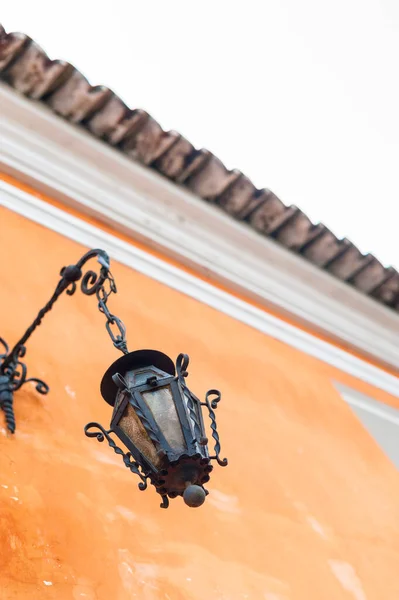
x: 13, y: 372
x: 213, y: 405
x: 95, y: 430
x: 182, y: 363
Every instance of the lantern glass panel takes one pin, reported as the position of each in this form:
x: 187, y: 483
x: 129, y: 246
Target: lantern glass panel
x: 161, y: 404
x: 132, y: 427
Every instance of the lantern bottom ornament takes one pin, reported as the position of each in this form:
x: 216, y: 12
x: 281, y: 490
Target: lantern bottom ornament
x: 160, y: 422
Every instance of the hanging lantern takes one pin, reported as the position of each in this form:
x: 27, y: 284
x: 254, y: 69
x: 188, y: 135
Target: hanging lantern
x: 160, y: 422
x: 155, y: 415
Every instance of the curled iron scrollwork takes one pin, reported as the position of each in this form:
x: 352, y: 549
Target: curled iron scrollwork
x: 18, y: 375
x: 6, y: 348
x: 212, y: 399
x: 17, y: 372
x: 90, y: 281
x: 13, y: 371
x: 165, y: 502
x: 41, y: 386
x: 12, y: 377
x: 211, y: 405
x: 182, y: 363
x: 95, y: 430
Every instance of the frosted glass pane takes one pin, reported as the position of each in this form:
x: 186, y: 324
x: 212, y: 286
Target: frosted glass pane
x: 133, y: 428
x: 160, y: 402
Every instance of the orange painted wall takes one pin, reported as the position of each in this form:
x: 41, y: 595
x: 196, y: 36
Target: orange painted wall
x: 308, y: 508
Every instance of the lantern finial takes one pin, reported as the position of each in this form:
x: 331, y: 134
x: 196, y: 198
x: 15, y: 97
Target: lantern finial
x: 194, y: 496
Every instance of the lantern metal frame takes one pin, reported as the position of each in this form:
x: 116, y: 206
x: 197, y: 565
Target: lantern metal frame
x: 190, y: 467
x: 194, y: 462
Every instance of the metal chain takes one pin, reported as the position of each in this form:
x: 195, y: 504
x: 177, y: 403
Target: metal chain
x: 118, y: 335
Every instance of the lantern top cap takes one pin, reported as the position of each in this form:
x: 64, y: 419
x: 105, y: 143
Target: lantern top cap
x: 129, y: 362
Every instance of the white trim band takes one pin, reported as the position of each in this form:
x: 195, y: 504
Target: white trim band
x: 91, y: 236
x: 74, y: 167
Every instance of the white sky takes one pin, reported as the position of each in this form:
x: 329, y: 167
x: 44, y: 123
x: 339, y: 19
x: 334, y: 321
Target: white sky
x: 300, y: 95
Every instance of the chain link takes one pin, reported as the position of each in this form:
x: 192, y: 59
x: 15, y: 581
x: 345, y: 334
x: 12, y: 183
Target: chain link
x: 115, y: 327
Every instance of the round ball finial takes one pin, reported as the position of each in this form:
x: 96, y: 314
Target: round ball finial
x: 72, y: 273
x: 194, y: 496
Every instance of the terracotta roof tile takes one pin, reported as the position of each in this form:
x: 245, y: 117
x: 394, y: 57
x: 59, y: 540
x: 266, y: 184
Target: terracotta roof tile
x: 271, y: 214
x: 241, y: 198
x: 177, y: 159
x: 212, y: 179
x: 324, y: 248
x: 348, y: 262
x: 113, y: 121
x: 371, y: 276
x: 11, y: 46
x: 28, y: 69
x: 388, y: 291
x: 75, y: 99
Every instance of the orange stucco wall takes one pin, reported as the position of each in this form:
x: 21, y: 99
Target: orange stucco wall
x: 307, y: 509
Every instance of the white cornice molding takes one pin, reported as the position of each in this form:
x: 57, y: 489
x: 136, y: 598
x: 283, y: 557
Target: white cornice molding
x: 90, y: 236
x: 72, y: 166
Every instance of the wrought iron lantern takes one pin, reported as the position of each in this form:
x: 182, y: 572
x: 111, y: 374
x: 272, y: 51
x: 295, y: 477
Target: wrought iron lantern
x: 155, y: 415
